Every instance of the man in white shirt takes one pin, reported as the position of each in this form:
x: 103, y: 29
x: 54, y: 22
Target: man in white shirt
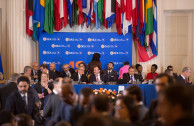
x: 97, y: 76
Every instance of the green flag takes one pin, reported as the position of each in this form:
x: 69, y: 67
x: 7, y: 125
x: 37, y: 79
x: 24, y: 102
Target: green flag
x: 100, y: 9
x: 49, y: 16
x: 75, y: 11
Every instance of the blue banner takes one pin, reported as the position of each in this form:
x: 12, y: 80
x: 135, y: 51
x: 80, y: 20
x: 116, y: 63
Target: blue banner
x: 72, y: 48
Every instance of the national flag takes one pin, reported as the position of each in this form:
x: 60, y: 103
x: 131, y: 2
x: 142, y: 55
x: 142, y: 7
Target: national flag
x: 65, y: 18
x: 110, y: 12
x: 80, y: 17
x: 69, y: 11
x: 142, y: 35
x: 92, y: 11
x: 58, y: 19
x: 95, y: 4
x: 118, y: 17
x: 29, y: 13
x: 1, y: 68
x: 100, y: 10
x: 154, y: 42
x: 87, y: 12
x: 134, y: 17
x: 38, y: 18
x: 105, y: 22
x: 49, y: 16
x: 75, y: 12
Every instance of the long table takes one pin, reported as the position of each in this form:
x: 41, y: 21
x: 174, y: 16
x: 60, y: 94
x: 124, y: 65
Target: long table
x: 148, y: 91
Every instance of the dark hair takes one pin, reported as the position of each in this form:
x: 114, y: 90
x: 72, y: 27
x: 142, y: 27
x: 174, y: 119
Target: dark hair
x: 167, y: 71
x: 67, y: 80
x: 96, y: 66
x: 154, y: 65
x: 5, y: 117
x: 83, y: 64
x: 57, y: 80
x: 101, y: 103
x: 126, y: 63
x: 131, y: 68
x: 135, y: 90
x: 170, y: 79
x: 44, y: 66
x: 96, y: 57
x: 179, y: 95
x: 137, y: 66
x: 131, y: 107
x: 168, y: 67
x: 23, y: 78
x: 86, y: 91
x: 23, y: 120
x: 112, y: 63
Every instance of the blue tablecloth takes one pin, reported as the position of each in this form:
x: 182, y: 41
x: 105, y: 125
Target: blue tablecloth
x: 148, y: 91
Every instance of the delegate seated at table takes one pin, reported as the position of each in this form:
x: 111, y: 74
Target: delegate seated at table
x: 97, y: 76
x: 80, y: 76
x: 109, y: 73
x: 131, y: 76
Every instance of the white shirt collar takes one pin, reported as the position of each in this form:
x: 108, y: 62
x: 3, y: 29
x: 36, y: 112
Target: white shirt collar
x: 54, y: 91
x: 183, y: 76
x: 140, y: 103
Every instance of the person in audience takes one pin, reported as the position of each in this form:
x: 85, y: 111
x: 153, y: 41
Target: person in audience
x: 85, y: 97
x: 68, y: 98
x: 124, y: 69
x: 136, y: 93
x: 171, y: 68
x: 100, y: 105
x: 36, y: 73
x: 43, y: 88
x: 152, y: 75
x: 184, y: 77
x: 161, y: 82
x: 169, y: 72
x: 53, y: 69
x: 6, y: 118
x: 52, y: 75
x: 93, y: 120
x: 176, y: 106
x: 67, y: 72
x: 95, y: 62
x: 52, y: 105
x: 126, y: 109
x: 23, y: 120
x: 27, y: 71
x: 79, y: 76
x: 141, y: 74
x: 131, y: 76
x: 21, y: 101
x: 109, y: 73
x: 97, y: 76
x: 6, y: 90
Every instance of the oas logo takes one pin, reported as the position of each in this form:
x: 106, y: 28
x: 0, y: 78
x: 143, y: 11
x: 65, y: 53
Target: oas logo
x: 102, y: 46
x: 58, y: 52
x: 116, y: 46
x: 67, y: 39
x: 127, y: 39
x: 89, y: 52
x: 44, y: 52
x: 44, y: 39
x: 78, y: 46
x: 53, y: 45
x: 80, y: 52
x: 58, y: 39
x: 102, y: 39
x: 80, y: 39
x: 89, y: 39
x: 68, y: 45
x: 92, y: 46
x: 111, y: 39
x: 111, y: 53
x: 44, y: 62
x: 59, y: 62
x: 102, y: 52
x: 66, y: 52
x: 126, y: 52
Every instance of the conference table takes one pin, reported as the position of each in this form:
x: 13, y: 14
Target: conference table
x: 148, y: 90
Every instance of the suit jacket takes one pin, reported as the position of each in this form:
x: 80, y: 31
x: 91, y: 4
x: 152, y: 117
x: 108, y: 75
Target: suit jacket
x: 64, y: 112
x: 63, y: 74
x: 83, y: 77
x: 110, y: 77
x: 126, y: 77
x: 5, y: 92
x: 38, y: 74
x: 75, y: 114
x: 52, y: 106
x: 180, y: 80
x: 93, y: 78
x: 142, y: 110
x: 53, y: 74
x: 15, y: 104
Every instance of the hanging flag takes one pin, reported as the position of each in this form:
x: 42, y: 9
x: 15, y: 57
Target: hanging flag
x: 49, y: 16
x: 69, y: 11
x: 87, y: 12
x: 105, y: 22
x: 118, y: 17
x: 29, y: 13
x: 154, y: 42
x: 58, y: 19
x: 65, y: 18
x: 134, y: 18
x: 142, y: 35
x: 38, y: 18
x: 80, y: 17
x: 92, y: 11
x: 100, y: 10
x: 1, y: 69
x: 96, y: 14
x: 110, y: 12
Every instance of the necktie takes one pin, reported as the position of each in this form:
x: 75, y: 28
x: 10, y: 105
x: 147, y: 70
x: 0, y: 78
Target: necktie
x: 108, y: 74
x: 132, y: 78
x: 25, y: 104
x: 97, y: 79
x: 79, y: 78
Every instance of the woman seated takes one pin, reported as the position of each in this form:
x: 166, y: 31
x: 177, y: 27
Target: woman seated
x: 139, y: 70
x: 152, y: 75
x: 43, y: 88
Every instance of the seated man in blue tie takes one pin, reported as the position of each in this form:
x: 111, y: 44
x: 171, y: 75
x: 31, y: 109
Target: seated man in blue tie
x: 131, y: 76
x: 80, y: 76
x: 21, y: 100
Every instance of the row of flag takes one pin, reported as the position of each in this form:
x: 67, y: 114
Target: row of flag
x: 138, y: 17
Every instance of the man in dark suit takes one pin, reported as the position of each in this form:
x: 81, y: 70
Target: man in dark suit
x: 79, y: 110
x: 184, y: 77
x: 171, y: 69
x: 21, y: 101
x: 109, y: 73
x: 36, y: 73
x: 67, y: 72
x: 53, y: 69
x: 52, y: 75
x: 8, y: 89
x: 80, y: 76
x: 97, y: 76
x: 131, y: 76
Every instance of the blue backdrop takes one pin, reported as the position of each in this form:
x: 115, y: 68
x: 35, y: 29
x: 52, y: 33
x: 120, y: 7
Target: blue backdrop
x: 71, y: 48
